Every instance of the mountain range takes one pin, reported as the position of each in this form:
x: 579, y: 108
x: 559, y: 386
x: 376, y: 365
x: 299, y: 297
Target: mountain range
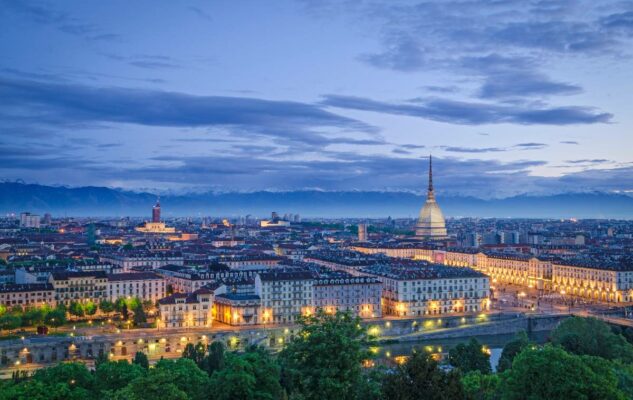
x: 17, y: 197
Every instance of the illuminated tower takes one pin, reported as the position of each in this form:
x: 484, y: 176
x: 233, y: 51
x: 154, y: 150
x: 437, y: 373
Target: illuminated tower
x: 431, y: 224
x: 156, y: 211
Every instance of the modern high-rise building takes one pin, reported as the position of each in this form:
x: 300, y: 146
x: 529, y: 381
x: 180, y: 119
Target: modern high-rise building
x: 431, y: 224
x: 362, y: 232
x: 156, y: 212
x: 28, y: 220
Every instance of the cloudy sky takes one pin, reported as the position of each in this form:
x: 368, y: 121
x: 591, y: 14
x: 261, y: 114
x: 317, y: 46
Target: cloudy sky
x: 509, y: 96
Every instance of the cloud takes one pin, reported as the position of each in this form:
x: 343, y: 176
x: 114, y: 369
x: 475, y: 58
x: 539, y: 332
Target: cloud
x: 54, y: 103
x: 590, y: 161
x: 524, y: 84
x: 473, y: 149
x: 441, y: 89
x: 471, y: 113
x: 200, y: 13
x: 569, y: 142
x: 622, y: 21
x: 43, y: 14
x: 531, y: 146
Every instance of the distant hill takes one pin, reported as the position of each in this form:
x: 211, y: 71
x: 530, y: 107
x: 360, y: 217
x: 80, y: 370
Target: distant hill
x: 101, y: 201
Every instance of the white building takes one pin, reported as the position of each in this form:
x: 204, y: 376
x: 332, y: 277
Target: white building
x: 146, y: 286
x: 28, y: 220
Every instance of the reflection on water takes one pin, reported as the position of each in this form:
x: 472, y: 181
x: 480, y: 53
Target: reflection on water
x: 397, y: 353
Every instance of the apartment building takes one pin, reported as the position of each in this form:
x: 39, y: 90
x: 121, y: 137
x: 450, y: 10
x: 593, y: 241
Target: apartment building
x: 76, y: 286
x: 147, y: 286
x: 413, y: 290
x: 186, y: 310
x: 27, y: 295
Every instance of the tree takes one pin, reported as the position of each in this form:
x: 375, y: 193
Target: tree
x: 141, y: 360
x: 249, y: 376
x: 115, y: 375
x: 155, y: 385
x: 470, y: 357
x: 56, y: 317
x: 33, y: 316
x: 101, y: 358
x: 478, y: 386
x: 70, y: 380
x: 186, y: 375
x: 139, y: 315
x: 214, y: 360
x: 592, y: 337
x: 323, y: 361
x: 552, y: 373
x: 76, y: 309
x: 195, y: 353
x: 511, y: 349
x: 421, y: 378
x: 106, y: 306
x: 125, y: 314
x: 90, y: 308
x: 10, y: 321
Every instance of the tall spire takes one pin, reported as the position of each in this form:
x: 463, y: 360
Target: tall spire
x: 431, y: 194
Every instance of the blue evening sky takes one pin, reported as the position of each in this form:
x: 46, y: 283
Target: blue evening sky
x: 509, y: 96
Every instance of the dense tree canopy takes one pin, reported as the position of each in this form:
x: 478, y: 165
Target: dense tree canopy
x: 552, y: 373
x: 592, y: 337
x: 470, y: 357
x: 324, y: 359
x: 421, y: 378
x: 511, y: 349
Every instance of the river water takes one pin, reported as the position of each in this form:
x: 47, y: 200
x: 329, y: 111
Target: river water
x: 390, y: 354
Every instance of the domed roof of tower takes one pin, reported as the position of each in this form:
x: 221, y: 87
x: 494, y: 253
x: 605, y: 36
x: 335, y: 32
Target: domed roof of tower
x: 431, y: 223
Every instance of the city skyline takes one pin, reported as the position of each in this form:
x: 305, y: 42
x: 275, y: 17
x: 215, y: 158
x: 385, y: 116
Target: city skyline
x: 510, y: 98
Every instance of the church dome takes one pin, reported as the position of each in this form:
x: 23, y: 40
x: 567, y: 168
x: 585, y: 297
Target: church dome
x: 431, y: 223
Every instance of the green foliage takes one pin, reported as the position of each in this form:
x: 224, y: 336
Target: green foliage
x: 56, y: 317
x: 552, y: 373
x: 186, y: 375
x: 478, y: 386
x: 511, y: 349
x: 106, y: 306
x: 195, y: 353
x: 10, y: 321
x: 90, y: 308
x: 214, y: 361
x: 141, y: 360
x: 33, y: 316
x: 125, y: 314
x: 139, y: 315
x: 76, y: 309
x: 324, y: 359
x: 111, y: 376
x: 470, y: 357
x: 155, y: 385
x: 421, y: 378
x: 592, y: 337
x: 250, y: 376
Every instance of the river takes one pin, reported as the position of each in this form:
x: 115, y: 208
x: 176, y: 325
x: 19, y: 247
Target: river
x: 392, y: 353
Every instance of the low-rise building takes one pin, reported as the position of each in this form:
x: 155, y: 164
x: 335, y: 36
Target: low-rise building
x: 285, y: 294
x: 422, y: 288
x: 27, y: 295
x: 147, y: 286
x: 79, y: 286
x: 186, y: 310
x: 360, y: 295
